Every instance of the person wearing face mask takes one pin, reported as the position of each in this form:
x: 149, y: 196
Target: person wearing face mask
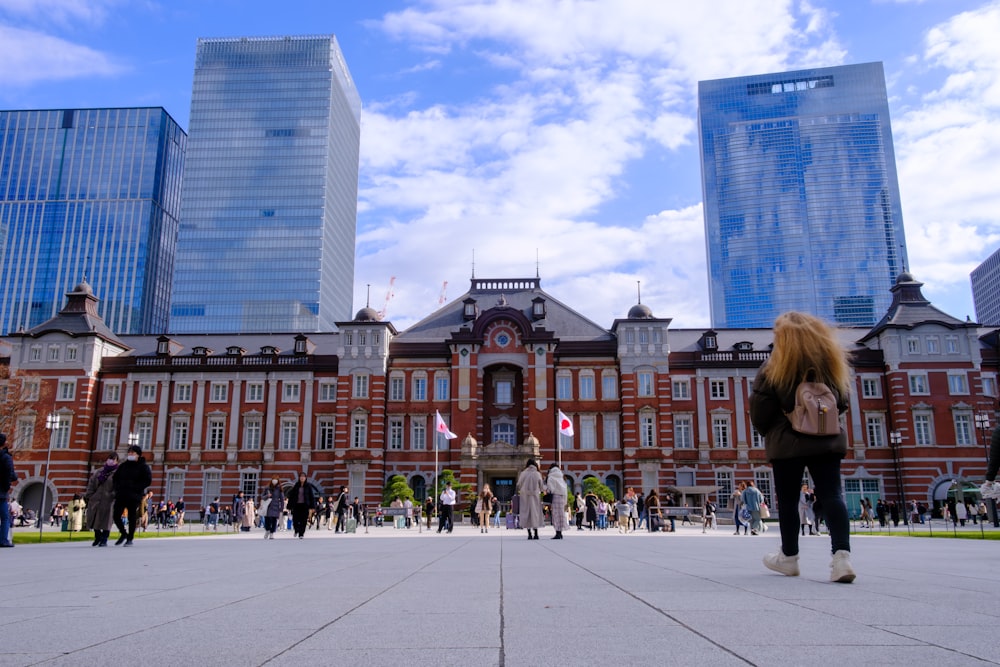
x: 130, y: 482
x: 275, y: 506
x: 301, y: 499
x: 100, y: 499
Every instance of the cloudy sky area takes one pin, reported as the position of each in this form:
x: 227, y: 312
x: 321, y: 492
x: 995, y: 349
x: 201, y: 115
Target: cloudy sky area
x: 560, y: 135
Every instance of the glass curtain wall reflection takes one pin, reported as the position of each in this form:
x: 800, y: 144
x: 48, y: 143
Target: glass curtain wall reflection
x: 89, y: 195
x: 801, y: 201
x: 269, y: 205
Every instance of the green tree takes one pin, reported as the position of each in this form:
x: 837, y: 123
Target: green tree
x: 396, y: 486
x: 601, y: 490
x: 462, y: 491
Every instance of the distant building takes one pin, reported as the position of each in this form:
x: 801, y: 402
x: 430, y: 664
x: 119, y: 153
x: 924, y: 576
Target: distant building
x: 89, y: 194
x: 802, y: 208
x: 270, y: 188
x: 652, y: 406
x: 986, y: 290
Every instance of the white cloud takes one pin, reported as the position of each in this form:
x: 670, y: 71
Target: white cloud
x: 60, y: 12
x: 28, y: 57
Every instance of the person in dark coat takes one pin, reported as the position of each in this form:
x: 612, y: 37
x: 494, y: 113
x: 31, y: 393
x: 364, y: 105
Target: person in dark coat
x: 130, y: 482
x: 7, y: 478
x: 275, y: 506
x: 804, y: 347
x: 100, y: 499
x: 301, y: 499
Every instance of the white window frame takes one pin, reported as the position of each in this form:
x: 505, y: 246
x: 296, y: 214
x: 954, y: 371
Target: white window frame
x: 396, y: 433
x: 183, y: 391
x: 721, y: 432
x: 610, y: 436
x: 107, y: 436
x: 180, y: 429
x: 718, y: 389
x: 645, y: 385
x: 326, y: 433
x: 112, y: 393
x: 683, y: 432
x: 923, y: 428
x: 327, y: 392
x: 564, y: 386
x: 588, y: 392
x: 958, y: 384
x: 360, y: 385
x: 963, y: 428
x: 218, y: 392
x: 288, y: 438
x: 647, y: 429
x: 875, y: 430
x: 359, y: 429
x: 144, y: 431
x: 255, y: 392
x: 442, y: 388
x: 253, y: 429
x: 397, y: 388
x: 919, y: 385
x: 216, y: 433
x: 419, y: 387
x: 291, y: 391
x: 588, y: 431
x: 67, y: 390
x: 682, y: 389
x: 609, y: 386
x: 418, y: 434
x: 871, y: 387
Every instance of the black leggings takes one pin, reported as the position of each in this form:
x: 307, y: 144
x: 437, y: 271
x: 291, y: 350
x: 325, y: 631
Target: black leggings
x: 131, y: 508
x: 825, y: 471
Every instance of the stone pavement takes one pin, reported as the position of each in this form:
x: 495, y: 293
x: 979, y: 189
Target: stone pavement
x: 396, y: 597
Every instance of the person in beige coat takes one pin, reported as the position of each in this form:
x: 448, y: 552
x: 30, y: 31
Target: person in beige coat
x: 75, y: 512
x: 100, y: 500
x: 530, y: 487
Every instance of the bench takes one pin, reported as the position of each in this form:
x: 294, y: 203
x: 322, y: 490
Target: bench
x: 395, y: 512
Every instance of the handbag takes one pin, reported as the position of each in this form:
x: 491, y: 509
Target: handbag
x: 765, y: 513
x: 547, y: 498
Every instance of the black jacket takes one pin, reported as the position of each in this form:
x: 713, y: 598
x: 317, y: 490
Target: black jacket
x: 132, y: 479
x: 767, y: 413
x: 309, y: 495
x: 7, y: 474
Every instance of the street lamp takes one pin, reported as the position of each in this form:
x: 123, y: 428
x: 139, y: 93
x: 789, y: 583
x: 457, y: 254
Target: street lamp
x: 52, y: 423
x: 896, y: 439
x: 983, y: 424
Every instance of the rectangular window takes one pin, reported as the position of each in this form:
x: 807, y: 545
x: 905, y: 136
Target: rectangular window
x: 918, y: 383
x: 249, y: 484
x: 922, y: 430
x: 958, y: 383
x: 290, y: 391
x: 441, y: 388
x: 505, y: 393
x: 963, y: 429
x: 933, y: 345
x: 720, y: 432
x: 756, y: 439
x: 395, y: 433
x: 31, y: 388
x: 327, y: 392
x: 71, y: 352
x: 951, y: 344
x: 211, y: 487
x: 219, y: 392
x: 609, y: 386
x: 175, y: 486
x: 255, y: 392
x: 112, y: 393
x: 60, y: 436
x: 182, y: 392
x: 682, y: 390
x: 396, y: 386
x: 359, y: 428
x: 875, y: 427
x: 611, y: 440
x: 989, y: 385
x: 762, y: 479
x: 913, y: 345
x: 179, y: 433
x: 251, y: 433
x: 723, y: 480
x: 107, y: 437
x: 144, y: 430
x: 325, y: 432
x: 564, y: 387
x: 360, y: 386
x: 36, y: 353
x: 419, y: 388
x: 418, y: 435
x: 718, y: 388
x: 644, y: 381
x: 588, y: 432
x: 289, y: 433
x: 53, y: 353
x: 647, y: 430
x: 67, y: 390
x: 587, y: 387
x: 217, y: 433
x: 683, y: 438
x: 871, y: 388
x: 25, y: 432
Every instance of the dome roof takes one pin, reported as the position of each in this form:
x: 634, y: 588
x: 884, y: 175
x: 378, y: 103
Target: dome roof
x: 366, y: 314
x: 904, y: 277
x: 640, y: 311
x: 83, y: 287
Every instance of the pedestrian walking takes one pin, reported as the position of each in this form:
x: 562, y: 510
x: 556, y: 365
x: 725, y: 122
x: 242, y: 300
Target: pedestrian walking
x: 530, y: 488
x: 100, y: 499
x: 130, y: 482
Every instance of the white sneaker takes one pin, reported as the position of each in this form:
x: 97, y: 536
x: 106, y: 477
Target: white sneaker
x: 841, y: 571
x: 779, y: 562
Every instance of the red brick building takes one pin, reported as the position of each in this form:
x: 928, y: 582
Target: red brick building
x: 652, y: 406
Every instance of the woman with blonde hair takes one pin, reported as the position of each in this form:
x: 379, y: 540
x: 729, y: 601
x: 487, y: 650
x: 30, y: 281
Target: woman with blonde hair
x: 805, y: 349
x: 484, y: 506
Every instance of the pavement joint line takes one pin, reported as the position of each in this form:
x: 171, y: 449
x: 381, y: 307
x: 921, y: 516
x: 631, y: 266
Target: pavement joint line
x: 361, y: 604
x: 646, y: 603
x: 502, y: 658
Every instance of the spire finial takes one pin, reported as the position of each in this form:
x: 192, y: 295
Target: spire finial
x: 638, y: 290
x: 368, y: 299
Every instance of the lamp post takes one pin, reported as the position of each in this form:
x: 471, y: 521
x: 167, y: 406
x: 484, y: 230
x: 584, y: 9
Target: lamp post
x: 983, y: 424
x: 896, y: 439
x: 52, y: 425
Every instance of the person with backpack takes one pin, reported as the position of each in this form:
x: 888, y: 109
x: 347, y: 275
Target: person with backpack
x: 791, y: 405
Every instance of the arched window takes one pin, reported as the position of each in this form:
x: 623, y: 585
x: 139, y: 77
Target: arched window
x: 614, y: 483
x: 504, y: 432
x: 419, y: 486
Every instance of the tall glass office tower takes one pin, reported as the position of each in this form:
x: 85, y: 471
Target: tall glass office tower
x: 269, y: 204
x: 801, y: 201
x: 89, y: 194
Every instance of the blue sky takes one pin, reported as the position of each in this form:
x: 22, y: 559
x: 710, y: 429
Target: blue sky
x: 560, y: 135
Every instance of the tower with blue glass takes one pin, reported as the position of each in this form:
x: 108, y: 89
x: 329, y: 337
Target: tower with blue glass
x: 801, y: 202
x: 269, y: 205
x: 89, y: 194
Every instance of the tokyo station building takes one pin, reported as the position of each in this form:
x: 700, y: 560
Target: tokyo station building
x: 652, y: 406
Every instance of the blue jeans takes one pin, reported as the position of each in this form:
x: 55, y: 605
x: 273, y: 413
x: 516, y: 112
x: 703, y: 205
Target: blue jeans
x: 602, y: 521
x: 5, y: 524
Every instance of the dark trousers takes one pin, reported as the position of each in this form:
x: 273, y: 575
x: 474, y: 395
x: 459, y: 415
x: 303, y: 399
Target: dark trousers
x: 825, y: 471
x: 300, y: 519
x: 341, y: 517
x: 131, y: 508
x: 445, y: 519
x: 270, y: 523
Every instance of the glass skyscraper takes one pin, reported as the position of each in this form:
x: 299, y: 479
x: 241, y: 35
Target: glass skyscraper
x: 269, y: 204
x: 89, y: 194
x: 801, y: 201
x: 986, y: 290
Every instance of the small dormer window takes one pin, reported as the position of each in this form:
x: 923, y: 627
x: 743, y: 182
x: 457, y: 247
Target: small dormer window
x: 710, y: 342
x: 538, y: 308
x: 163, y: 345
x: 235, y: 350
x: 744, y: 346
x: 199, y: 351
x: 269, y: 349
x: 300, y: 344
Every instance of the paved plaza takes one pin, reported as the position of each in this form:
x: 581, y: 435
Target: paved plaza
x: 398, y: 597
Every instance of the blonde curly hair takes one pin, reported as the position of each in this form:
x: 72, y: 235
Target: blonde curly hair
x: 804, y: 343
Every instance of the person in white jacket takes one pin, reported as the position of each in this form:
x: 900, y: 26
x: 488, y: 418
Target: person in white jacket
x: 555, y: 484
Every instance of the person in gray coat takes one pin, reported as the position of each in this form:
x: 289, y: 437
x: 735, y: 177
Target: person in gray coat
x: 100, y: 499
x: 275, y: 508
x: 530, y: 487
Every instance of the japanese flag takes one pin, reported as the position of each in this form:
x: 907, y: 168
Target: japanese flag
x: 565, y: 424
x: 441, y: 427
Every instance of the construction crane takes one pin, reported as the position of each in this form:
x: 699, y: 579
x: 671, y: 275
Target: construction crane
x: 388, y: 297
x: 444, y: 293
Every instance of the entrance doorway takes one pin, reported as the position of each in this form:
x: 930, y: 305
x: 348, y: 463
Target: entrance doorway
x: 503, y: 488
